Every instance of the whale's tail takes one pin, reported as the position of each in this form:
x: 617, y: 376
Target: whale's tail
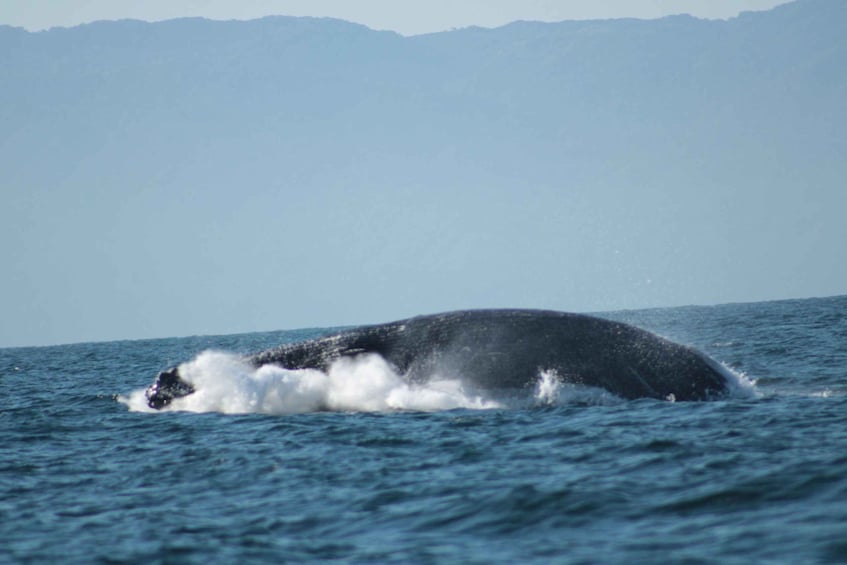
x: 168, y: 387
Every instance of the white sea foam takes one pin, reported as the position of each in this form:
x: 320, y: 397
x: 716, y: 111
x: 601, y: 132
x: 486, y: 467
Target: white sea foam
x: 225, y: 383
x: 550, y: 390
x: 740, y: 385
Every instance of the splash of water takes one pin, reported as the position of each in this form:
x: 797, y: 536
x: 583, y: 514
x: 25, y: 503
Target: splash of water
x: 550, y: 390
x: 225, y: 383
x: 740, y: 384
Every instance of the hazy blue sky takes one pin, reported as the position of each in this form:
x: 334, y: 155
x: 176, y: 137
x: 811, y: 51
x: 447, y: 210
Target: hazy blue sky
x: 204, y: 178
x: 404, y: 16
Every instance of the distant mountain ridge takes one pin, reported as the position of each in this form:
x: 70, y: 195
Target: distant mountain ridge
x: 665, y: 161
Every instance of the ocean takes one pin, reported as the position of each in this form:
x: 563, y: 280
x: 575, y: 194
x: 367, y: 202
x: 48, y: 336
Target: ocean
x: 357, y: 467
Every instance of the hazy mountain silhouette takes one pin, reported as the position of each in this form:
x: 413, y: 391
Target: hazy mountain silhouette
x: 192, y: 175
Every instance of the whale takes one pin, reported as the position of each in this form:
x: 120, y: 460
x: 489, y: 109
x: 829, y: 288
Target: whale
x: 503, y: 349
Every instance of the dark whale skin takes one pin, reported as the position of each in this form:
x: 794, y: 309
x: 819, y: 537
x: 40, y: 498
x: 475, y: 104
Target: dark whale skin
x: 505, y: 349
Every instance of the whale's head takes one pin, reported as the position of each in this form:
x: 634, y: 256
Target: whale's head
x: 168, y: 387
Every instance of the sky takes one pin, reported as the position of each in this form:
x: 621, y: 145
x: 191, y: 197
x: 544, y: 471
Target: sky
x: 403, y: 16
x: 115, y: 263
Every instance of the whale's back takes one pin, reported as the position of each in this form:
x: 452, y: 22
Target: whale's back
x: 509, y: 348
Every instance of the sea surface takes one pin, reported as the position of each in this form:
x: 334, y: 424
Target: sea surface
x: 355, y: 466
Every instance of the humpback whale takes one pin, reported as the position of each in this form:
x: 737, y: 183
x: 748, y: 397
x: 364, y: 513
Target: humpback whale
x: 504, y: 349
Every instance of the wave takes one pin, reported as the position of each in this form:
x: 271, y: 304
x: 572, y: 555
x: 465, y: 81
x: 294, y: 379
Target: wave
x: 225, y: 383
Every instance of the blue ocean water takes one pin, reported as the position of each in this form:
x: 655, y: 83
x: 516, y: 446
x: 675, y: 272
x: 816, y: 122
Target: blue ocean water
x: 431, y: 476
